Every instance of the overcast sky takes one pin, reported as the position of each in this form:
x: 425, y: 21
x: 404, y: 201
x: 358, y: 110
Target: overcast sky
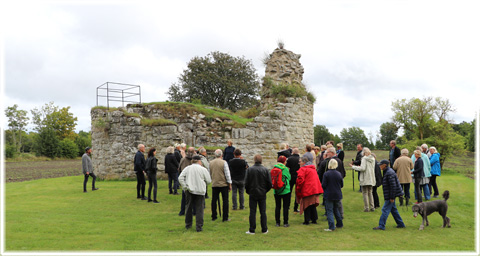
x: 358, y: 56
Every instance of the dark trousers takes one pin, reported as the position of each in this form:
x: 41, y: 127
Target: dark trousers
x: 417, y: 189
x: 215, y: 197
x: 295, y: 204
x: 406, y: 189
x: 433, y: 183
x: 310, y: 214
x: 197, y: 202
x: 140, y: 184
x: 262, y: 206
x: 376, y: 201
x: 152, y: 182
x: 240, y: 187
x: 173, y: 178
x: 85, y: 180
x: 278, y: 206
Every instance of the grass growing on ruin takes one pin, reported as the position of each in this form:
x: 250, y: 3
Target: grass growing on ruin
x: 55, y: 215
x: 211, y: 113
x: 156, y: 122
x: 282, y: 91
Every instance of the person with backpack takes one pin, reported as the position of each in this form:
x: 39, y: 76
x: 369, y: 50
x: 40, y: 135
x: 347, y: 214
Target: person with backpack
x: 281, y: 189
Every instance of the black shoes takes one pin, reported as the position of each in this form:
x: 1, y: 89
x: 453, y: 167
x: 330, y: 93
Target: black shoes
x: 93, y: 189
x: 144, y: 198
x: 156, y: 202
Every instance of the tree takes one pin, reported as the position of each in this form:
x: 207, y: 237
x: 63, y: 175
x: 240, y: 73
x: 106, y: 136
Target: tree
x: 219, y: 80
x: 417, y: 116
x: 388, y: 132
x: 17, y: 121
x: 68, y: 148
x: 353, y: 136
x: 60, y: 120
x: 47, y: 143
x: 321, y: 135
x: 83, y: 140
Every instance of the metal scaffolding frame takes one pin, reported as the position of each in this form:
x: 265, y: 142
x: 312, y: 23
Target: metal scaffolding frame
x: 119, y: 92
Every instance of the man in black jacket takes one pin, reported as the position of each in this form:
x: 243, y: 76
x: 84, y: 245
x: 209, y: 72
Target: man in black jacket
x: 139, y: 168
x: 391, y: 190
x: 293, y: 165
x: 394, y: 152
x: 257, y: 184
x: 238, y: 166
x: 358, y: 161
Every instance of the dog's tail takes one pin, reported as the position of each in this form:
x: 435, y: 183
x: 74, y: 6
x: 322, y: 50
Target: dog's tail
x: 446, y: 195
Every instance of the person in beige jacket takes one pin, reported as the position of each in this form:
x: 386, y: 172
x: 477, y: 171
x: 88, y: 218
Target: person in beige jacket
x: 402, y: 167
x: 367, y: 179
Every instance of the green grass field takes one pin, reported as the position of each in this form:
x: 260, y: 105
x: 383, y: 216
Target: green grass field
x: 55, y: 215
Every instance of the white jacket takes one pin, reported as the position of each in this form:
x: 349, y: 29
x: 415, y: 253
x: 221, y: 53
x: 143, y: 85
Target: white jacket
x: 367, y: 171
x: 194, y: 179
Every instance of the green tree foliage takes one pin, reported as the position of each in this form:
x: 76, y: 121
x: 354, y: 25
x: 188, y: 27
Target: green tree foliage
x: 471, y: 139
x: 83, y: 140
x: 426, y: 121
x: 47, y: 143
x: 68, y: 148
x: 321, y: 135
x: 60, y: 120
x: 219, y: 80
x: 414, y: 115
x: 353, y: 136
x: 388, y: 132
x: 17, y: 121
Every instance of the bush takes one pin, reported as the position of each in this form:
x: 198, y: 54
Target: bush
x: 68, y: 148
x: 10, y: 151
x: 281, y: 91
x: 47, y: 144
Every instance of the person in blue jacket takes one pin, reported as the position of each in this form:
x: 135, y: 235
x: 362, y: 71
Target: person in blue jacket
x: 332, y: 193
x: 435, y: 171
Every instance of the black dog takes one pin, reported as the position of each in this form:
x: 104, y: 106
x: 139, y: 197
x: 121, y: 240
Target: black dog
x: 428, y: 208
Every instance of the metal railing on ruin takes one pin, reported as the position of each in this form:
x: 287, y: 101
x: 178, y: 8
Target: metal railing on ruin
x: 119, y: 92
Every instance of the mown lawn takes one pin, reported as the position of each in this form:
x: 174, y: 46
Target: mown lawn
x: 54, y: 215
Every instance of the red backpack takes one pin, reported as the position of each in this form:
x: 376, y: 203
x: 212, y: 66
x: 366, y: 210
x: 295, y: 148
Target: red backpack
x: 277, y: 181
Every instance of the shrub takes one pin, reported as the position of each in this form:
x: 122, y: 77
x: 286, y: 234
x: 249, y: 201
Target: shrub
x: 10, y: 151
x: 282, y: 91
x: 68, y: 148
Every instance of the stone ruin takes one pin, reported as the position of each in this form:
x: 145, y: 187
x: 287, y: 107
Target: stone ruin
x: 117, y: 132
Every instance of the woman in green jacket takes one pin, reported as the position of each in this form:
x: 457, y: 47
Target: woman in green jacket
x: 283, y: 193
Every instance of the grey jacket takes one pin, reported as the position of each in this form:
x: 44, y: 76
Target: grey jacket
x: 87, y: 165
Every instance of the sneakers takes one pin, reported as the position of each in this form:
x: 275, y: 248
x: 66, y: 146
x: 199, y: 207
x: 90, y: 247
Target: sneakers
x: 329, y: 230
x: 400, y: 226
x: 277, y: 225
x: 372, y: 210
x: 378, y: 228
x: 286, y: 225
x: 266, y: 232
x: 93, y: 189
x: 250, y: 233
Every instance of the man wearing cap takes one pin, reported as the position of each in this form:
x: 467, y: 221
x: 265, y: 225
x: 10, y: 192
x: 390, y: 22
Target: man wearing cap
x: 391, y: 190
x: 88, y: 169
x: 193, y: 180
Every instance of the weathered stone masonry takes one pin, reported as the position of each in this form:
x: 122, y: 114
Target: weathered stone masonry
x: 116, y: 134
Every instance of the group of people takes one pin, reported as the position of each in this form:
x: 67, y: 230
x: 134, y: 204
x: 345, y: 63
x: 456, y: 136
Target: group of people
x: 320, y: 170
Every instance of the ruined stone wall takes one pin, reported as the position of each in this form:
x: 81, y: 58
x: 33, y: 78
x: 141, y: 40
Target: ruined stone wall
x: 116, y: 133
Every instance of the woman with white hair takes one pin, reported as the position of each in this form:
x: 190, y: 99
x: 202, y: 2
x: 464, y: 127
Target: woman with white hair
x: 367, y: 179
x: 435, y: 171
x: 171, y: 168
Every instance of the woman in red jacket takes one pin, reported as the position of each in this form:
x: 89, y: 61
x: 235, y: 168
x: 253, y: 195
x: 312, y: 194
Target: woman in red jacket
x: 308, y: 189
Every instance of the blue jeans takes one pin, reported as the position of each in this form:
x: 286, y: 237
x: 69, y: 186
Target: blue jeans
x: 332, y: 208
x: 388, y: 208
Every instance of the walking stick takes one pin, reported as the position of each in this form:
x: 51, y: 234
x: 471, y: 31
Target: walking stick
x: 353, y: 179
